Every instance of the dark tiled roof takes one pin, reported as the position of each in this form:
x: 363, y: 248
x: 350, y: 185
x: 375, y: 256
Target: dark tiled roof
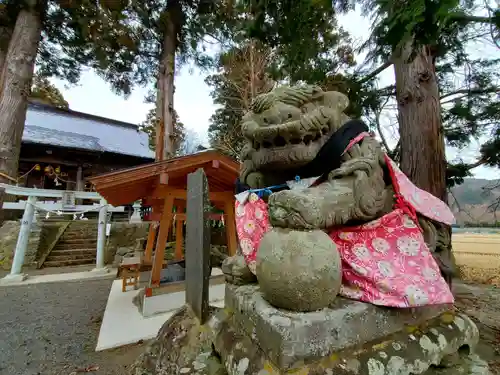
x: 54, y: 127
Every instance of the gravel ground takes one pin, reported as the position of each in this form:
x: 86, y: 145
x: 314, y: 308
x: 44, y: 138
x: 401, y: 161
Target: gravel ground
x: 52, y: 329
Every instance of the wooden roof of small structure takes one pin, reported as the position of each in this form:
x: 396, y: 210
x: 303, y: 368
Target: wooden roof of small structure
x: 128, y: 185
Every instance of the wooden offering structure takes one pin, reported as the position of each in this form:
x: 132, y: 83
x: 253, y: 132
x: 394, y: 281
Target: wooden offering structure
x: 163, y: 186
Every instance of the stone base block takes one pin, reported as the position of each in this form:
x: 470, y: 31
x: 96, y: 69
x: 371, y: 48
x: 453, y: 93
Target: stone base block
x: 100, y: 271
x: 13, y: 279
x: 289, y: 337
x: 443, y: 345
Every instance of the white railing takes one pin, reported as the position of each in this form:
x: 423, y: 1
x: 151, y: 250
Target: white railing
x: 65, y: 204
x: 59, y: 206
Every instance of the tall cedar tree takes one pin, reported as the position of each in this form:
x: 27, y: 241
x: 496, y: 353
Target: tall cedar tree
x: 60, y: 36
x: 172, y: 33
x: 428, y: 44
x: 150, y: 124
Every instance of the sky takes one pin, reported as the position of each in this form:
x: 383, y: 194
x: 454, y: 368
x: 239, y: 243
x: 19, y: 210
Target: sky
x: 193, y: 103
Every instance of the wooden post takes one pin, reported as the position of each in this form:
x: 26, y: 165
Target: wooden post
x: 22, y: 241
x: 101, y: 235
x: 161, y: 242
x: 79, y: 179
x: 148, y: 253
x: 79, y: 186
x: 179, y: 237
x: 198, y: 244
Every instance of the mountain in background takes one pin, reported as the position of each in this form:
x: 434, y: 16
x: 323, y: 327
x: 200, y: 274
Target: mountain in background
x: 476, y: 202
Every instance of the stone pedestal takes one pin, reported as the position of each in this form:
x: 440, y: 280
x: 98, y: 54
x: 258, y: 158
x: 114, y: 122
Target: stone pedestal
x: 13, y: 279
x: 347, y: 338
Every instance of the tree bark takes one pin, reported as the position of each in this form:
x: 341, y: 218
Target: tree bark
x: 423, y: 157
x: 165, y: 100
x: 5, y: 35
x: 160, y: 124
x: 15, y: 82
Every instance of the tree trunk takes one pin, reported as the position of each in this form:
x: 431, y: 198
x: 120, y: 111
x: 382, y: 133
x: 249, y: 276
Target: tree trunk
x: 15, y: 83
x: 5, y: 35
x: 165, y: 105
x: 160, y: 124
x: 423, y: 157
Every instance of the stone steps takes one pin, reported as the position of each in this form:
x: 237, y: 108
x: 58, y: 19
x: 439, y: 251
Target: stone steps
x: 65, y: 263
x: 78, y: 235
x: 72, y: 257
x: 76, y: 244
x: 73, y: 252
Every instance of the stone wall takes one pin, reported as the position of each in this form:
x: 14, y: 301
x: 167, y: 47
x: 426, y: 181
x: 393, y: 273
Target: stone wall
x: 8, y: 240
x: 122, y: 240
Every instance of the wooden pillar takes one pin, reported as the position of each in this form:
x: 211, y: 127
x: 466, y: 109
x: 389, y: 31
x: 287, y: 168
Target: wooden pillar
x: 148, y: 253
x: 165, y: 222
x: 79, y: 186
x: 22, y: 241
x: 232, y: 244
x: 79, y: 179
x: 101, y: 235
x: 179, y: 237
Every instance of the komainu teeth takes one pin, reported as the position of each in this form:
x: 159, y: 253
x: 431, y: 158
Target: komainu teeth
x: 308, y: 139
x: 289, y: 139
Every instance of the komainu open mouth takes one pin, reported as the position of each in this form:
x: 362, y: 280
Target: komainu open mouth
x: 281, y: 141
x: 288, y: 153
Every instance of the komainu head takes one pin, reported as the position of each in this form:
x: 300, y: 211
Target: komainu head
x: 286, y: 127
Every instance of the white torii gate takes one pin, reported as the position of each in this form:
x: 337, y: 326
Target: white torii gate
x: 32, y: 204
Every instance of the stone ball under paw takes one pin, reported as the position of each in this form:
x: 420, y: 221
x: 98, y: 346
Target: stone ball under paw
x: 298, y: 270
x: 236, y: 271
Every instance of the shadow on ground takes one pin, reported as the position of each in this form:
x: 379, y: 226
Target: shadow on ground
x: 52, y: 329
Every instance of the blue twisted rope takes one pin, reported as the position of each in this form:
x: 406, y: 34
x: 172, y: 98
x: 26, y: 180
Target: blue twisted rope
x: 269, y: 190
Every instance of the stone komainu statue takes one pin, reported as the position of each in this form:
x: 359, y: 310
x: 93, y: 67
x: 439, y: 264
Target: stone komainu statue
x: 301, y: 131
x: 290, y: 321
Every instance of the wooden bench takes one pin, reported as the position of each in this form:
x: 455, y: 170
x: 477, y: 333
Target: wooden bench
x: 130, y: 269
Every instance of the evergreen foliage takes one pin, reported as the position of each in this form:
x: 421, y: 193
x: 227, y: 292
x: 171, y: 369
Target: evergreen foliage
x: 44, y: 91
x: 468, y: 85
x: 149, y: 127
x: 76, y: 34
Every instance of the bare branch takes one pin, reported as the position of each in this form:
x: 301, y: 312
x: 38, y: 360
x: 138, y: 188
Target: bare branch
x: 471, y: 19
x: 379, y: 125
x: 376, y: 72
x: 476, y: 164
x: 466, y: 92
x: 459, y: 207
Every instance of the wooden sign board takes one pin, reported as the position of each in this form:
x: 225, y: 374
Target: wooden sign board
x: 197, y: 252
x: 68, y: 200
